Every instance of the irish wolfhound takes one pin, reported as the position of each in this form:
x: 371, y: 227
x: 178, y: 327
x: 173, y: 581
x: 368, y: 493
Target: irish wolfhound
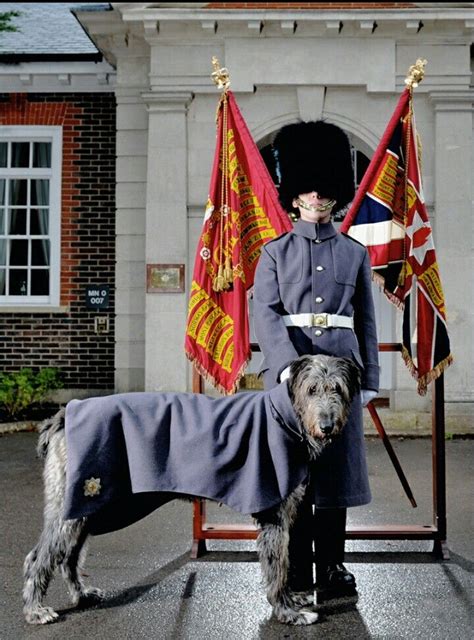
x: 320, y: 390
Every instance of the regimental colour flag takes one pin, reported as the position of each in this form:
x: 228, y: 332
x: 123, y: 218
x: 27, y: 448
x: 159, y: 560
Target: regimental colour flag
x: 242, y: 213
x: 388, y: 215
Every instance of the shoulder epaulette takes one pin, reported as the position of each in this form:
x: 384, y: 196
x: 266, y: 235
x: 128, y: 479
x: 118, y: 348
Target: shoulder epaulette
x: 282, y: 235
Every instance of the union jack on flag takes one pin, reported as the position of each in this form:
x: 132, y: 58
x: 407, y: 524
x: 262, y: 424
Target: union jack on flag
x: 388, y: 215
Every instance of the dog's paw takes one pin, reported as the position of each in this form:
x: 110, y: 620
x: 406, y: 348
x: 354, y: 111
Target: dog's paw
x: 40, y: 615
x: 88, y: 596
x: 92, y: 593
x: 306, y: 617
x: 296, y: 618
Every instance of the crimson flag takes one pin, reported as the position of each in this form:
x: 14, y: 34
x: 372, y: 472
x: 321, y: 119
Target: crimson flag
x: 388, y: 215
x: 242, y: 213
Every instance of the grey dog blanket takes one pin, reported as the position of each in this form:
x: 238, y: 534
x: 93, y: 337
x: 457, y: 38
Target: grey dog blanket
x: 129, y: 453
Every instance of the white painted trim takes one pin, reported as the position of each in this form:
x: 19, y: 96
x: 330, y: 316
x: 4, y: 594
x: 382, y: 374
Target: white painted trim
x: 32, y: 133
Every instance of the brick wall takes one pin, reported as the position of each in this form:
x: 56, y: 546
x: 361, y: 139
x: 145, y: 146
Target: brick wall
x: 67, y: 340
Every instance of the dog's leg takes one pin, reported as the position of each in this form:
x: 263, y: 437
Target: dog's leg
x: 58, y: 538
x: 72, y: 564
x: 272, y: 546
x: 39, y: 568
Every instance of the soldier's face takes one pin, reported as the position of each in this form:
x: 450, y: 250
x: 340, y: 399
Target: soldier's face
x: 313, y: 200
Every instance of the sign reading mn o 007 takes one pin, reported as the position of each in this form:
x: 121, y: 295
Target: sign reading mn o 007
x: 97, y: 296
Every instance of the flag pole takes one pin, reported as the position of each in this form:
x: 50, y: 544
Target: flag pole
x: 224, y: 279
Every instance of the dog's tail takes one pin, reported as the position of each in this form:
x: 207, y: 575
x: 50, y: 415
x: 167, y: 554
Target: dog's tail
x: 47, y: 429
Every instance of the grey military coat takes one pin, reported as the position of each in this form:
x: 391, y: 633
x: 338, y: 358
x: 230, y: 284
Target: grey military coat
x: 315, y: 269
x: 129, y: 453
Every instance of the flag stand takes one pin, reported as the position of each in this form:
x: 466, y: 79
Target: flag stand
x: 437, y: 531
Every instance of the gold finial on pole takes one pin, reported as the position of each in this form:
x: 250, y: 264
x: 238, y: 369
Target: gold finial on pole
x: 416, y: 73
x: 220, y: 75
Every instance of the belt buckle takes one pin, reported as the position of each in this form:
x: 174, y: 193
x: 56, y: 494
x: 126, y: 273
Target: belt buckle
x: 320, y: 320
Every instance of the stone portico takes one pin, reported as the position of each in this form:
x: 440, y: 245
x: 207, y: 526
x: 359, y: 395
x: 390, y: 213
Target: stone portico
x: 347, y: 66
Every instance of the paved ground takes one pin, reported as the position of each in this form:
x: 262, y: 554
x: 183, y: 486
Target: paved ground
x: 154, y: 590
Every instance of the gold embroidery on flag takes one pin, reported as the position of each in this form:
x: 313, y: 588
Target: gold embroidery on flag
x: 206, y: 306
x: 430, y: 278
x: 228, y: 358
x: 203, y: 335
x: 221, y: 344
x: 386, y: 182
x: 202, y: 325
x: 224, y: 322
x: 412, y: 196
x: 197, y: 295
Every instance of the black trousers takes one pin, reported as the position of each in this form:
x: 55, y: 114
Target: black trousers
x: 326, y: 528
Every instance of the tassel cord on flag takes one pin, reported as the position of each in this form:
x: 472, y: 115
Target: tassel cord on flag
x: 226, y: 210
x: 408, y: 120
x: 219, y: 285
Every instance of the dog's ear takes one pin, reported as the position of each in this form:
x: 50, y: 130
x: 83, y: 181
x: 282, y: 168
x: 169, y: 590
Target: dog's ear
x: 296, y: 368
x: 352, y: 374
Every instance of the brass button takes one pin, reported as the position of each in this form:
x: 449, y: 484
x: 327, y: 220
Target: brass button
x: 319, y: 268
x: 318, y: 332
x: 319, y: 320
x: 319, y: 299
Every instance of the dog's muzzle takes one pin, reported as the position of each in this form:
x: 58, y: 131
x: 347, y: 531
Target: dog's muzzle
x: 327, y: 428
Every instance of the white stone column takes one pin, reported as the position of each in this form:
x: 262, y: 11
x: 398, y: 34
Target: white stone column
x: 132, y: 123
x: 166, y: 237
x: 454, y: 233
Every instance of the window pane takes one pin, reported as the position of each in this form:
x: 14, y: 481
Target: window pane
x: 3, y: 154
x: 18, y: 192
x: 40, y: 192
x: 39, y: 282
x: 39, y: 222
x: 17, y: 222
x: 19, y: 252
x: 42, y: 154
x: 39, y: 252
x: 20, y: 154
x: 2, y: 192
x: 18, y: 282
x: 3, y: 282
x: 2, y: 222
x: 3, y: 252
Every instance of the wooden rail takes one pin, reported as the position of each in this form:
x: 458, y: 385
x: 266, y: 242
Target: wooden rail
x: 437, y: 531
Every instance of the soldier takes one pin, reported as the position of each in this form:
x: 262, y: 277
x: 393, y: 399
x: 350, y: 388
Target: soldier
x: 313, y: 295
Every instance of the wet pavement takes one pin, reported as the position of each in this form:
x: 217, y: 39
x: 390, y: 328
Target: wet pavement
x: 155, y: 590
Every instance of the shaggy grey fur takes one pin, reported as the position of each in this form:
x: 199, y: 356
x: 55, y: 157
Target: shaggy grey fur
x: 321, y: 390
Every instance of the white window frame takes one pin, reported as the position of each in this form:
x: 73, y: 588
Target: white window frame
x: 32, y: 133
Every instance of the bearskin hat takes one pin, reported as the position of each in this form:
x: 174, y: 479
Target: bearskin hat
x: 314, y: 156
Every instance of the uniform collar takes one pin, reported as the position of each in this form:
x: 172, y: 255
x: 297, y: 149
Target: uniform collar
x: 314, y: 230
x: 285, y: 414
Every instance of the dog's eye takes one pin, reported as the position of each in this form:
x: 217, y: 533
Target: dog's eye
x: 312, y: 390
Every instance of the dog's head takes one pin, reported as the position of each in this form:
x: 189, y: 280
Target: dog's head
x: 322, y: 389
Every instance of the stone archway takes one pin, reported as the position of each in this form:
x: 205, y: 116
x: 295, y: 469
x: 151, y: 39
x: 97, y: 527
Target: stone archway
x: 363, y: 143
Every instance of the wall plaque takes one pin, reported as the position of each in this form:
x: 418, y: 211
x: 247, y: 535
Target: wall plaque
x: 165, y: 278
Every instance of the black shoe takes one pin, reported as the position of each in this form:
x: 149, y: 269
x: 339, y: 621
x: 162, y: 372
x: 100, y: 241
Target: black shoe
x: 335, y: 578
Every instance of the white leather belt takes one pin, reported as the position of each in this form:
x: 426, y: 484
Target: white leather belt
x: 323, y: 320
